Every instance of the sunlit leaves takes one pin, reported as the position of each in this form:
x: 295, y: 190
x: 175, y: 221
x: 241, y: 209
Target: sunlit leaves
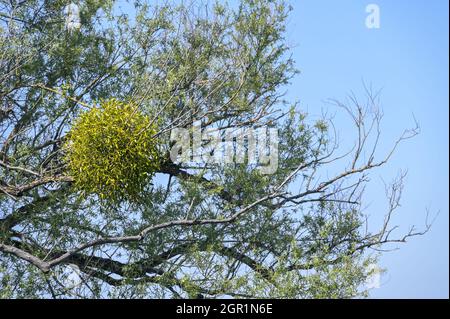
x: 111, y: 151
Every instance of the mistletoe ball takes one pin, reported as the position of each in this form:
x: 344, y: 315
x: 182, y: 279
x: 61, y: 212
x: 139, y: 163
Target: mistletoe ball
x: 111, y: 151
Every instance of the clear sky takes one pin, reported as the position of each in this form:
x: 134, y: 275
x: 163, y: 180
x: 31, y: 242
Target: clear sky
x: 408, y: 58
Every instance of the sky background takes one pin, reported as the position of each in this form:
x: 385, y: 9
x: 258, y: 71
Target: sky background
x: 407, y: 57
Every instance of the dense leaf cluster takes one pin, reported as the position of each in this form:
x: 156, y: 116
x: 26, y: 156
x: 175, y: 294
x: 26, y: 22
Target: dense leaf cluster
x: 111, y: 151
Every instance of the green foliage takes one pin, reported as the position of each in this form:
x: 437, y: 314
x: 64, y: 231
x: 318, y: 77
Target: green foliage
x: 226, y: 65
x: 111, y: 151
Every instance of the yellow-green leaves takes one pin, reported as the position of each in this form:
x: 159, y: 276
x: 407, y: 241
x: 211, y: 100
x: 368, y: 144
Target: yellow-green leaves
x: 110, y: 151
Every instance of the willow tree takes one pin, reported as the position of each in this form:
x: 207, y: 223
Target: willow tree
x: 203, y: 230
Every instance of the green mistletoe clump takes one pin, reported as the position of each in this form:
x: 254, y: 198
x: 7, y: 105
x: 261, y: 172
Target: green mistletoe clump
x: 111, y: 151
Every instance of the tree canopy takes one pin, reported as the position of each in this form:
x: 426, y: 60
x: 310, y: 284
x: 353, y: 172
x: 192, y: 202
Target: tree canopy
x: 91, y: 204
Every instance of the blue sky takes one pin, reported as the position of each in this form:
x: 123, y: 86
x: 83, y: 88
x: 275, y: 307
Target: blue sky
x: 407, y: 57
